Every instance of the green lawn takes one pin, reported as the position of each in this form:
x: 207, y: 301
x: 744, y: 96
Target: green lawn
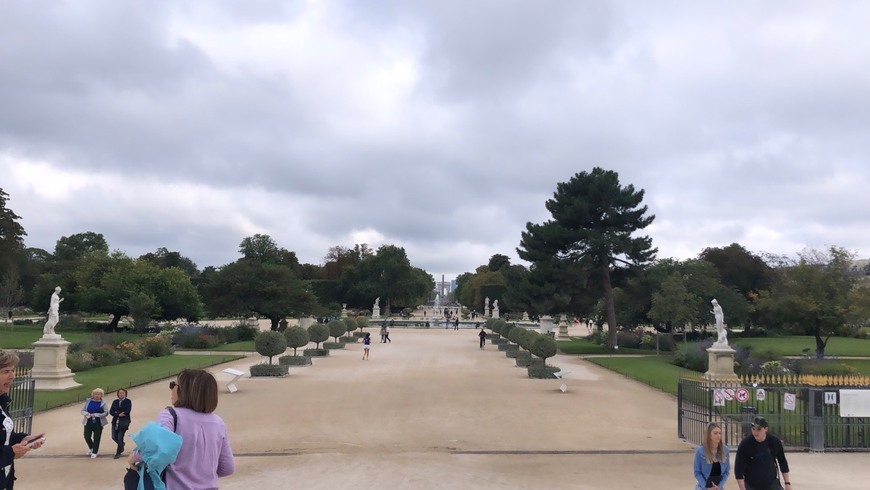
x: 656, y: 371
x: 793, y: 346
x: 579, y: 345
x: 111, y: 378
x: 862, y: 365
x: 23, y: 336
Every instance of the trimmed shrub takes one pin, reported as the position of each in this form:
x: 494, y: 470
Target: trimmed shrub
x: 544, y: 346
x: 274, y: 370
x: 349, y: 339
x: 315, y: 352
x: 362, y: 322
x: 505, y: 330
x: 524, y: 358
x: 317, y: 333
x: 105, y: 356
x: 515, y: 334
x: 294, y: 360
x: 542, y: 372
x: 598, y: 338
x: 629, y: 339
x: 508, y: 347
x: 333, y: 345
x: 270, y: 344
x: 337, y: 328
x: 694, y: 357
x: 525, y: 340
x: 296, y: 337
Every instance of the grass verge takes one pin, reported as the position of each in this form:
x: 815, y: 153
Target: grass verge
x: 655, y: 371
x: 580, y: 345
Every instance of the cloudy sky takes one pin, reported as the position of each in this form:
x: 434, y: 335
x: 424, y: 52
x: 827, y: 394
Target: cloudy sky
x: 441, y: 126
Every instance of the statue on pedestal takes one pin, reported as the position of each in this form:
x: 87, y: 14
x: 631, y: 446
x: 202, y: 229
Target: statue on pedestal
x: 486, y: 307
x: 719, y: 315
x: 53, y: 312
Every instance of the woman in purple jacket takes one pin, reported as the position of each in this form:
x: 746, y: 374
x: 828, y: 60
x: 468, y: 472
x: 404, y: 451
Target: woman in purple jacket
x: 205, y: 453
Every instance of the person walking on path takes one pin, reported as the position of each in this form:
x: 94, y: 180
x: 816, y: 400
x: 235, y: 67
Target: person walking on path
x: 205, y: 453
x: 387, y: 334
x: 482, y: 336
x: 13, y: 445
x: 755, y: 467
x: 367, y: 342
x: 120, y: 413
x: 383, y: 331
x: 94, y: 413
x: 711, y: 460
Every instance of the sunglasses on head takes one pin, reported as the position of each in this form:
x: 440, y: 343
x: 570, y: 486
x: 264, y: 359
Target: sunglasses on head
x: 172, y: 384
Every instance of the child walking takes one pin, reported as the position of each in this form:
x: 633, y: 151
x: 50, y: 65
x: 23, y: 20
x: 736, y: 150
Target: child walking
x: 367, y: 342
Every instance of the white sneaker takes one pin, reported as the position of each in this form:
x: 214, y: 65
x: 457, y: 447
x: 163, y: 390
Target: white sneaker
x: 93, y: 455
x: 89, y: 453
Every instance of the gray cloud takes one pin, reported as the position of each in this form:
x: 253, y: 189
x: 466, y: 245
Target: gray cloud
x: 439, y: 126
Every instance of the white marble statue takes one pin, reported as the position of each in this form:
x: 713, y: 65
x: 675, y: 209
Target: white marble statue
x: 486, y: 306
x: 53, y: 313
x: 377, y: 304
x: 495, y: 304
x: 720, y: 323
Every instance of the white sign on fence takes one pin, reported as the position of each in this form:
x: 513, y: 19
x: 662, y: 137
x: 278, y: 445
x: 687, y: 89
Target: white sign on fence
x: 759, y: 394
x: 830, y: 398
x: 718, y: 398
x: 854, y: 403
x: 789, y: 401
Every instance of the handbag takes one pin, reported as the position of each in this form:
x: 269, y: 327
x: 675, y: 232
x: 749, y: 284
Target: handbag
x: 141, y: 479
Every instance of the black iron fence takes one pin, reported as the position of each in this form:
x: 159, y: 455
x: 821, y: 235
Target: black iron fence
x: 803, y: 411
x: 22, y: 394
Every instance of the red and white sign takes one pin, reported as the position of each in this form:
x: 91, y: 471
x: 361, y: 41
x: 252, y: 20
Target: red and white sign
x: 759, y: 394
x: 728, y: 393
x: 742, y: 395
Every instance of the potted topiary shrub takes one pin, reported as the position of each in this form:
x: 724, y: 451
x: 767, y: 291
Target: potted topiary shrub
x: 269, y: 344
x: 543, y: 346
x: 337, y: 328
x: 296, y: 337
x: 317, y: 333
x: 350, y: 325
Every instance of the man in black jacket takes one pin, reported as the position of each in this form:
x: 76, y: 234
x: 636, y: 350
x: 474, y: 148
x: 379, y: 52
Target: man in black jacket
x: 755, y: 467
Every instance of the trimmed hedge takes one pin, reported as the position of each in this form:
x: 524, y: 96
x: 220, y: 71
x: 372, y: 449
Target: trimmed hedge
x: 274, y: 370
x: 333, y: 345
x: 524, y: 358
x: 316, y: 352
x: 294, y: 360
x: 542, y: 372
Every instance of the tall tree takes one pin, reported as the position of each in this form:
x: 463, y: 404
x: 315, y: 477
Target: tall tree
x: 165, y: 259
x: 11, y: 235
x: 812, y: 296
x: 593, y: 219
x: 262, y: 248
x: 387, y: 274
x: 739, y: 268
x: 74, y: 247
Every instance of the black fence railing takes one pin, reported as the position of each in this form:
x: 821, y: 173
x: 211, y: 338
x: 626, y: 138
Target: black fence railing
x: 22, y: 394
x: 799, y: 414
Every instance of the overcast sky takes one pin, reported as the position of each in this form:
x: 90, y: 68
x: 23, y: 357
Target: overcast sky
x: 440, y: 126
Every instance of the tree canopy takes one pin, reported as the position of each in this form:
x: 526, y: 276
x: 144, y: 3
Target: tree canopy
x: 593, y: 219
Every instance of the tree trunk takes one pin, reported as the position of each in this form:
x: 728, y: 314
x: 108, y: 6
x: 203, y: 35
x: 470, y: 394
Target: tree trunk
x: 274, y: 326
x: 116, y: 317
x: 820, y: 345
x: 609, y: 308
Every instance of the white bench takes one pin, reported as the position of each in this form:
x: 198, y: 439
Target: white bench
x: 559, y: 375
x: 231, y: 386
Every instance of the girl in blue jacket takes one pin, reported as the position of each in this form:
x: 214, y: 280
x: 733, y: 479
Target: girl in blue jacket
x: 712, y: 465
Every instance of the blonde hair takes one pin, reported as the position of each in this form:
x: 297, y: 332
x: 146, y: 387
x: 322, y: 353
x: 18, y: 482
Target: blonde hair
x: 8, y: 358
x: 714, y: 454
x: 98, y: 390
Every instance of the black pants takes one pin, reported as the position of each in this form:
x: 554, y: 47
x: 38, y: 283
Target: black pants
x: 773, y: 486
x: 93, y: 433
x: 482, y: 341
x: 118, y: 433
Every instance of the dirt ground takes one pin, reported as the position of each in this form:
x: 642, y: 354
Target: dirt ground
x: 428, y: 411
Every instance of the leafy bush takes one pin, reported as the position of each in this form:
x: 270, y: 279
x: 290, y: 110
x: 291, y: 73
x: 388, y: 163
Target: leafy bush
x: 246, y: 332
x: 515, y: 334
x: 131, y: 351
x: 270, y: 344
x: 490, y: 324
x: 363, y: 321
x: 296, y: 337
x: 598, y: 338
x: 155, y: 346
x: 629, y: 339
x: 317, y: 333
x: 506, y: 329
x: 276, y: 370
x: 773, y: 367
x: 79, y: 361
x: 333, y: 345
x: 822, y: 367
x: 295, y: 360
x: 694, y: 357
x: 105, y: 356
x: 526, y: 339
x: 350, y: 324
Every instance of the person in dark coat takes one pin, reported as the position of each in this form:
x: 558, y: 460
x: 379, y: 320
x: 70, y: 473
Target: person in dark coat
x: 120, y: 413
x: 482, y: 336
x: 14, y: 444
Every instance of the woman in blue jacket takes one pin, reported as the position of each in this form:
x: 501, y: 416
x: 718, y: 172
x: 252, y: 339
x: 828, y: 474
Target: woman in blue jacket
x: 94, y: 413
x: 712, y: 465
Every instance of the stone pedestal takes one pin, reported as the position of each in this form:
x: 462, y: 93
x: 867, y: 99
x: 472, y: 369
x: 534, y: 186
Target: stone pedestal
x: 546, y: 325
x: 49, y: 364
x: 495, y: 312
x: 306, y: 321
x: 563, y: 327
x: 376, y: 312
x: 721, y: 363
